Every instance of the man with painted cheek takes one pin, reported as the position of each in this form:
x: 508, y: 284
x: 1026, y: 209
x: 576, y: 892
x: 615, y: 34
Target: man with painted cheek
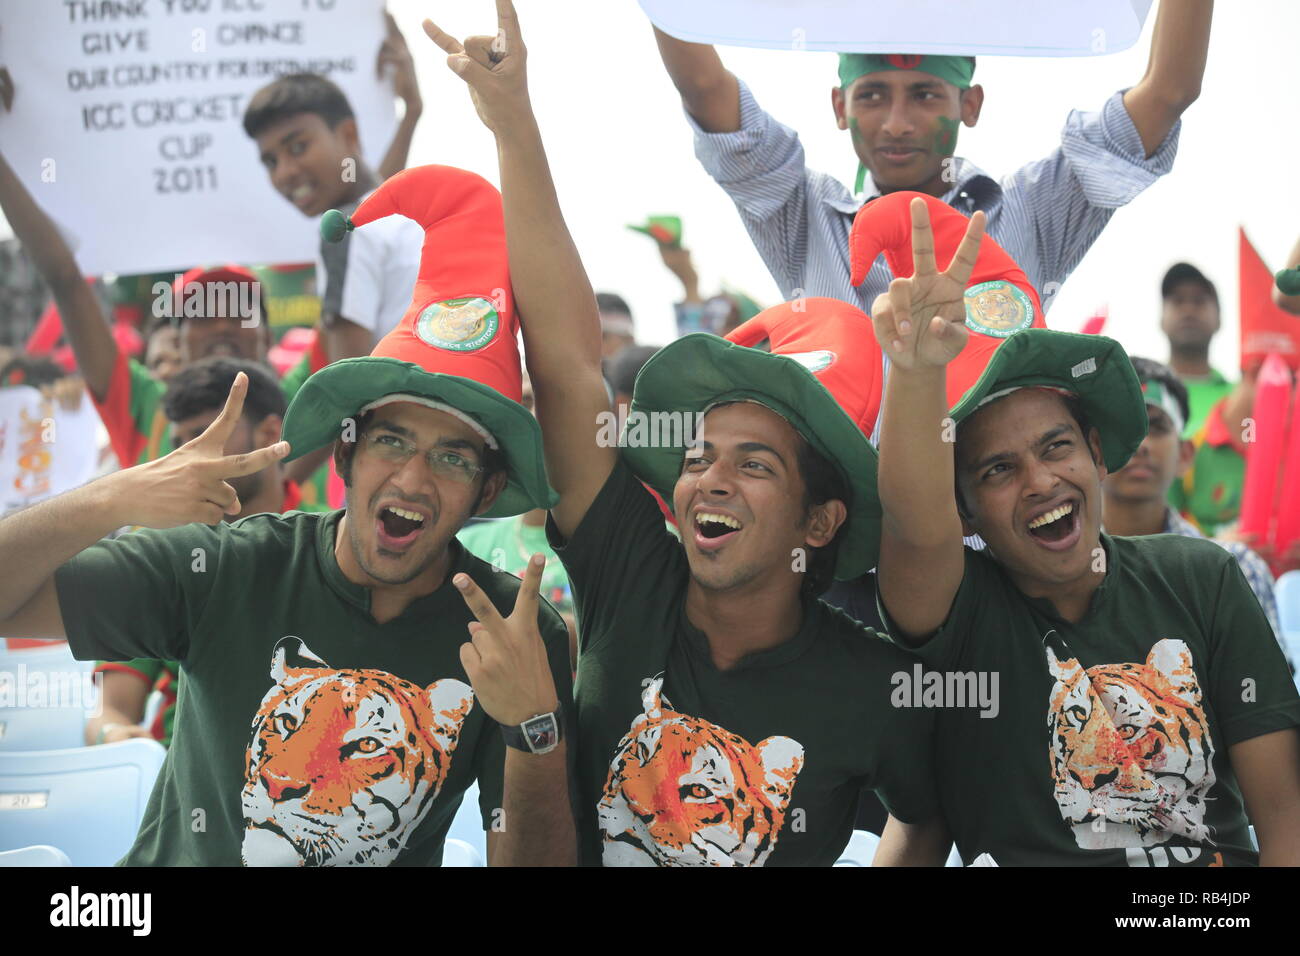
x: 903, y: 113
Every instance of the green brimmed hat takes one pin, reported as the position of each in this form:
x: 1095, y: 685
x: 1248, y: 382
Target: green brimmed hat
x: 455, y: 349
x: 820, y: 372
x: 1092, y: 367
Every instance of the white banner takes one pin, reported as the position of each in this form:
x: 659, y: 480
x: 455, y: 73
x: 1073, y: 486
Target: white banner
x: 45, y: 449
x: 940, y: 27
x: 127, y: 120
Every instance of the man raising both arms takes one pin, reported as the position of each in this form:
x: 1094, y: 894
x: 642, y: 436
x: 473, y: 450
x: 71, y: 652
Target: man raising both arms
x: 903, y: 113
x: 1145, y: 707
x: 727, y: 716
x: 340, y: 637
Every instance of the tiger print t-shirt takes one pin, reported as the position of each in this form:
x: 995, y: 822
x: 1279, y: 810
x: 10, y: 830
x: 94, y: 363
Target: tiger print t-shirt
x: 305, y: 732
x: 681, y: 764
x: 1109, y: 745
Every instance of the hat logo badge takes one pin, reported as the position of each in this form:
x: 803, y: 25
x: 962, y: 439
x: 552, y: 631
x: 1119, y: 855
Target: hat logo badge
x: 998, y: 308
x: 813, y: 361
x: 458, y: 325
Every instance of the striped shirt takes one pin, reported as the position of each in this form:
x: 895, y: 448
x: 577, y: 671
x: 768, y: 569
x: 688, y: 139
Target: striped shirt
x: 1046, y: 215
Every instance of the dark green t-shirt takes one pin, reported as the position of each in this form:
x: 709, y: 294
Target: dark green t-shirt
x: 681, y: 764
x: 1111, y: 737
x: 306, y: 733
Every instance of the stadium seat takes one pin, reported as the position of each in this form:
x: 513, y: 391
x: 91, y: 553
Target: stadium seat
x: 1287, y: 592
x: 87, y: 801
x: 460, y: 853
x: 45, y: 698
x: 467, y: 825
x: 860, y: 850
x: 35, y: 856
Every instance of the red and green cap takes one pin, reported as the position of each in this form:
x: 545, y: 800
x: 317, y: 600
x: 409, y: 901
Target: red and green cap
x: 814, y: 362
x: 456, y: 347
x: 1000, y: 300
x: 665, y: 230
x: 957, y: 70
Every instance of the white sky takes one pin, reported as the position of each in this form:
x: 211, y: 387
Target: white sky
x: 620, y: 149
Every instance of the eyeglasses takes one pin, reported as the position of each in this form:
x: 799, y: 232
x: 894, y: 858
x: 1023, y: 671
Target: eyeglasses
x: 442, y: 462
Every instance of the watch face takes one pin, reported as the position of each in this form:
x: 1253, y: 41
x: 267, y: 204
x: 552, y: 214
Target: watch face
x: 541, y: 733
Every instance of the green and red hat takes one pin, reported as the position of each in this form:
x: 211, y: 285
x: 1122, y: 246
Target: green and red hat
x: 814, y: 362
x: 455, y: 349
x: 1000, y: 300
x: 1092, y: 368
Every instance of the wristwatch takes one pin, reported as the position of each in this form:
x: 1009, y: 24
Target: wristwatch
x: 536, y: 735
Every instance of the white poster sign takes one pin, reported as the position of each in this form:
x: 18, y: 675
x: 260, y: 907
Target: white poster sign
x: 45, y: 448
x: 127, y: 120
x: 940, y: 27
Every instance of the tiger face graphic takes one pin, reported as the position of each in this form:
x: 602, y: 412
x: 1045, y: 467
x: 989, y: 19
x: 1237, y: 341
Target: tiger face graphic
x: 1132, y: 758
x: 344, y: 764
x: 685, y: 792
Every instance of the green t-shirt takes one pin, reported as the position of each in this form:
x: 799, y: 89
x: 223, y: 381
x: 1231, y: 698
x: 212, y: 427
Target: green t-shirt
x: 1202, y: 394
x: 681, y: 764
x: 508, y: 543
x: 1209, y: 492
x: 306, y: 733
x: 1111, y: 737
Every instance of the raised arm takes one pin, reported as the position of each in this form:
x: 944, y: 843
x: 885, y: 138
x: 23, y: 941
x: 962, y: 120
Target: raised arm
x: 83, y: 321
x: 556, y: 304
x: 395, y: 56
x: 1172, y: 81
x: 921, y: 325
x: 709, y: 91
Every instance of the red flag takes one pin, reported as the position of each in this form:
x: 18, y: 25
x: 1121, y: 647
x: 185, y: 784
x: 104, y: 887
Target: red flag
x: 1265, y: 328
x: 1096, y: 322
x: 1264, y: 454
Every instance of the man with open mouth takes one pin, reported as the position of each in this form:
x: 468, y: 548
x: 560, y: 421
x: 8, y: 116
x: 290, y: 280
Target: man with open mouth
x: 349, y: 675
x: 727, y: 716
x: 1147, y: 713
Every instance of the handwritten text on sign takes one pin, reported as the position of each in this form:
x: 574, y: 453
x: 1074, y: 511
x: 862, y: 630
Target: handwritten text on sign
x: 127, y: 119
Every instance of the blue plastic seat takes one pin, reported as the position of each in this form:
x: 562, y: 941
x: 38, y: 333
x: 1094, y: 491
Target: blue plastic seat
x: 52, y: 694
x: 861, y: 849
x: 1287, y: 592
x: 87, y: 801
x: 460, y: 853
x: 35, y: 856
x: 467, y: 825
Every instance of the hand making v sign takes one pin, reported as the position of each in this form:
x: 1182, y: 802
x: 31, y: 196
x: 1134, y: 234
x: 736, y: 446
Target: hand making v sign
x: 921, y: 322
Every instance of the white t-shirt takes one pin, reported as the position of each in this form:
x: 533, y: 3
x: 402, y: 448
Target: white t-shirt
x: 369, y: 276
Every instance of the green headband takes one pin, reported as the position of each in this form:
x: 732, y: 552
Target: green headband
x: 956, y: 70
x: 1155, y: 393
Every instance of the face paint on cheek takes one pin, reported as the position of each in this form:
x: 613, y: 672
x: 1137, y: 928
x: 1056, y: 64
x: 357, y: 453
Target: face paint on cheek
x: 945, y: 139
x: 854, y: 132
